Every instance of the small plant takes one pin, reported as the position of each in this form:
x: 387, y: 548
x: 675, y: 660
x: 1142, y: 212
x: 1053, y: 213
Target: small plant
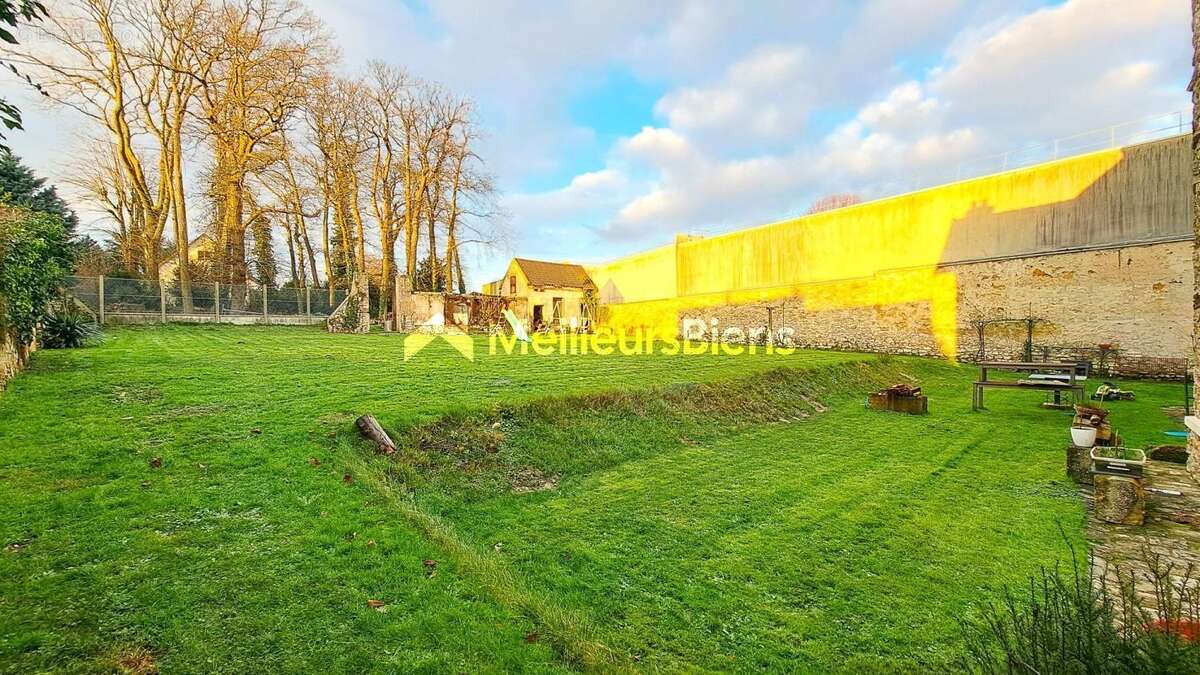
x: 1076, y: 621
x: 68, y: 327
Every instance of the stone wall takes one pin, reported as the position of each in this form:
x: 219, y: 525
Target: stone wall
x: 1134, y: 300
x: 12, y: 358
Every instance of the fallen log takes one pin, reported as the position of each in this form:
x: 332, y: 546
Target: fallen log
x: 369, y: 427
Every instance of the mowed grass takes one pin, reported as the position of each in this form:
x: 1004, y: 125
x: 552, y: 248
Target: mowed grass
x: 675, y: 536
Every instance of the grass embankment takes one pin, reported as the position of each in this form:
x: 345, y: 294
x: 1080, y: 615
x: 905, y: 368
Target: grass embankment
x: 766, y: 522
x: 675, y: 528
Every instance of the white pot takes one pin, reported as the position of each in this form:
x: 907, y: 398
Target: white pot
x: 1083, y: 437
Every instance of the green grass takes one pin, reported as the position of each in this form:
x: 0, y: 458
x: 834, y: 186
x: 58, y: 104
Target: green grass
x: 686, y: 528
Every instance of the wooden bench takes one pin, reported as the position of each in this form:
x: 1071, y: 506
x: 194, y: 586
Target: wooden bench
x: 1068, y: 383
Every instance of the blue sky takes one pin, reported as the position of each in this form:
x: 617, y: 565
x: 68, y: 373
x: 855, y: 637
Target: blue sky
x: 613, y: 125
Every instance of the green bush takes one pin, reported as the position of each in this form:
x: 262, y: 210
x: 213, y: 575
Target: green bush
x: 1076, y: 621
x: 67, y: 328
x: 35, y: 259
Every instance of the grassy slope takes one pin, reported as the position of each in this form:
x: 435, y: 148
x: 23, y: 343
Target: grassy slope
x: 849, y: 540
x: 811, y: 543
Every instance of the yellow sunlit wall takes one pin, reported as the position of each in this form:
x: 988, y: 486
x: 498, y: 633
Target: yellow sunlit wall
x: 873, y: 254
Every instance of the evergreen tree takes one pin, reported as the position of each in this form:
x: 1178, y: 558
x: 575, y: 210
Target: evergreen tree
x: 19, y: 186
x: 263, y: 252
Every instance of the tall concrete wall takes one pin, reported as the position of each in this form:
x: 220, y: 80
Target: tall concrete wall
x: 1096, y: 247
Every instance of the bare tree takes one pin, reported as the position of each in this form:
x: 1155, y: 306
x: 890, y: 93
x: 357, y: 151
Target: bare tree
x: 255, y: 66
x: 290, y: 145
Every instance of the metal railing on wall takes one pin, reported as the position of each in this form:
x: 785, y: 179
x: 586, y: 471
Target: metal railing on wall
x: 1144, y: 130
x: 114, y: 299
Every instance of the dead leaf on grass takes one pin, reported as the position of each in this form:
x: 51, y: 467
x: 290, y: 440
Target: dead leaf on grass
x: 532, y: 637
x: 376, y: 605
x: 347, y: 479
x: 313, y: 461
x: 156, y: 463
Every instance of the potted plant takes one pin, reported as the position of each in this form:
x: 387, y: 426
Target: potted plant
x: 1118, y: 461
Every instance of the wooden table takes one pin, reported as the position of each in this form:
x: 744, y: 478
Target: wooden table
x: 1071, y: 384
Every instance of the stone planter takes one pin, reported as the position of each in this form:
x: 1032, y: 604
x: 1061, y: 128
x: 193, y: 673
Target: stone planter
x: 1120, y: 500
x: 1079, y: 464
x: 1118, y: 461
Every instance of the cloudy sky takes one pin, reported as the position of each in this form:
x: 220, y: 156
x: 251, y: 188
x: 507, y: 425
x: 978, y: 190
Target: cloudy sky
x: 614, y: 124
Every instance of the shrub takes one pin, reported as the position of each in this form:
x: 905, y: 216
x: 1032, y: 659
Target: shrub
x: 68, y: 327
x: 34, y: 261
x: 1076, y: 622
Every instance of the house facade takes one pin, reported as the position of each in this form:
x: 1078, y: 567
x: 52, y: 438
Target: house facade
x: 555, y: 295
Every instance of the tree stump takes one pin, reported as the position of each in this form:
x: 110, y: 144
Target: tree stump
x: 369, y: 427
x: 1079, y: 464
x: 1119, y: 500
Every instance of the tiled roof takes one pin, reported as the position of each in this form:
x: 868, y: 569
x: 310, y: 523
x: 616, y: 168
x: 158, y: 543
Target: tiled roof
x: 561, y: 275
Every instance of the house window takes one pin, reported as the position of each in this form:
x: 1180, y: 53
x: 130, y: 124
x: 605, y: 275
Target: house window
x: 556, y: 314
x: 512, y: 285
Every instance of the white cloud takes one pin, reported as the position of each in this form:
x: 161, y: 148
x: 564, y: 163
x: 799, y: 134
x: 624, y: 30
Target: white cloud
x: 587, y: 192
x: 764, y: 96
x: 1016, y: 79
x: 1069, y: 68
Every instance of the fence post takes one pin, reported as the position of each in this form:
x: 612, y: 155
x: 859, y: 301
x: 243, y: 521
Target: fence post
x: 265, y: 316
x: 100, y: 298
x: 162, y: 301
x: 217, y: 304
x: 308, y: 301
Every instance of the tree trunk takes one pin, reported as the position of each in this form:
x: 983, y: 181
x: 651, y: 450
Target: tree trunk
x: 325, y: 244
x: 235, y: 230
x: 387, y: 272
x: 179, y: 214
x: 291, y: 244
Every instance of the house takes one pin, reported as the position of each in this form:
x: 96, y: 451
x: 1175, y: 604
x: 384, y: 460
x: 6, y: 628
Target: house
x: 555, y: 295
x: 200, y: 246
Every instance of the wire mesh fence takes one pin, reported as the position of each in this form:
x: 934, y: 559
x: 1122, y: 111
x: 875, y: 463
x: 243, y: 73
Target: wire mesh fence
x: 123, y: 299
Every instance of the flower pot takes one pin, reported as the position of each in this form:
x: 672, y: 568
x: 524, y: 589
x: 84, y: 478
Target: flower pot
x: 1117, y: 461
x: 1084, y: 437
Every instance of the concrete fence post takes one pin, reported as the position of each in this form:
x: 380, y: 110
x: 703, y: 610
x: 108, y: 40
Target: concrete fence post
x: 162, y: 301
x: 266, y: 316
x: 308, y: 301
x: 100, y: 299
x: 217, y: 303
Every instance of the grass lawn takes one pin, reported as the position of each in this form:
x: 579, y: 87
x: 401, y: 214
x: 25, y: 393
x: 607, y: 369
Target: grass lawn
x: 644, y: 512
